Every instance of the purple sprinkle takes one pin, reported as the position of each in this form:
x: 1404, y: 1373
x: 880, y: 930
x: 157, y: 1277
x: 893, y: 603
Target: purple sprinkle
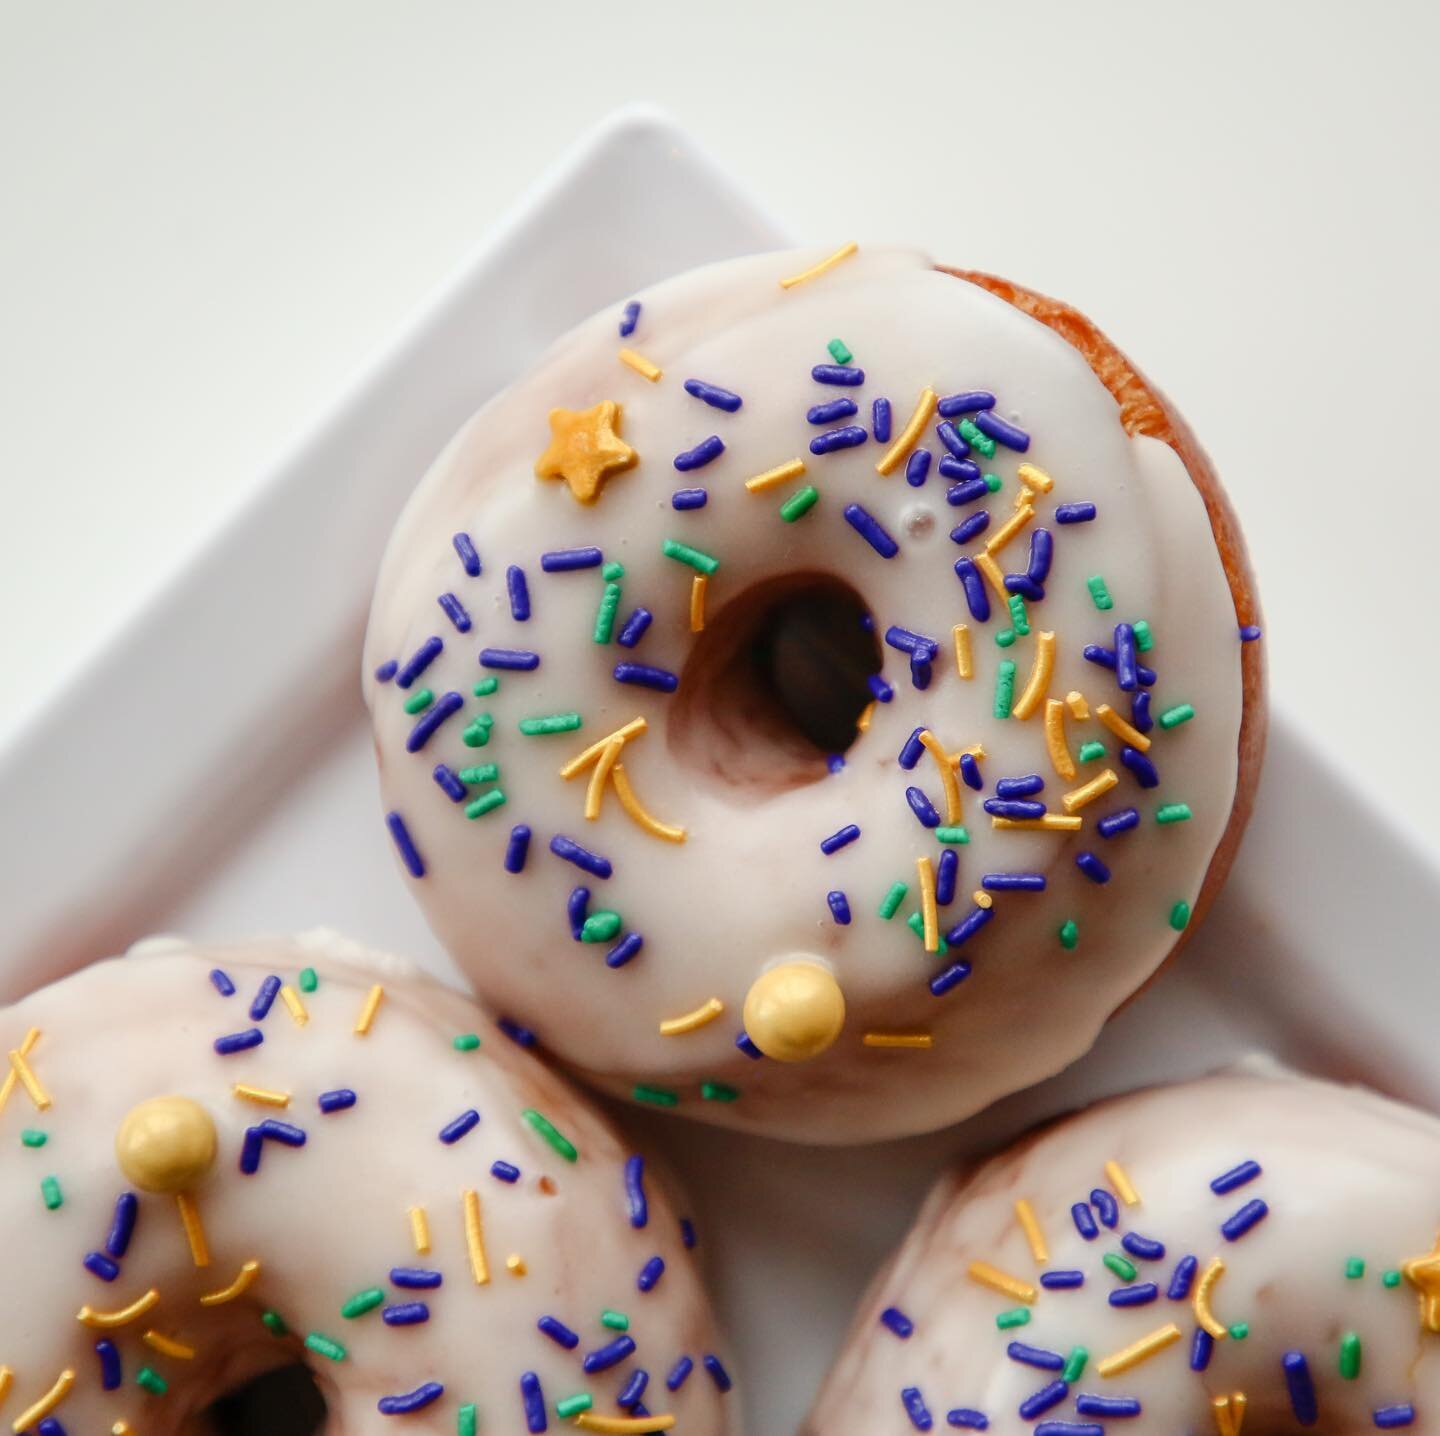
x: 972, y: 488
x: 841, y: 374
x: 1182, y: 1278
x: 449, y: 783
x: 265, y: 999
x: 897, y: 1322
x: 1088, y: 1405
x: 1140, y: 1295
x: 971, y: 527
x: 946, y: 876
x: 419, y: 661
x: 455, y: 611
x: 917, y: 468
x: 850, y: 437
x: 1389, y: 1417
x: 432, y: 718
x: 678, y: 1373
x: 239, y: 1042
x: 583, y: 858
x: 577, y: 906
x: 642, y: 675
x: 629, y: 318
x: 1035, y: 1356
x: 1069, y: 1428
x: 973, y: 921
x: 839, y: 907
x: 519, y: 592
x: 1248, y: 1216
x: 744, y: 1043
x: 1025, y: 586
x: 1042, y: 552
x: 340, y: 1100
x: 687, y: 1233
x: 452, y: 1131
x: 519, y: 1035
x: 1140, y: 766
x: 405, y: 1313
x: 418, y: 1400
x: 624, y: 950
x: 1042, y: 1400
x: 1074, y: 513
x: 1113, y: 824
x: 880, y: 420
x: 912, y: 750
x: 703, y: 453
x: 1106, y: 1205
x: 948, y: 435
x: 837, y: 840
x: 1013, y: 882
x: 921, y: 671
x: 993, y: 426
x: 1067, y: 1279
x: 518, y: 848
x: 532, y: 1396
x: 1226, y: 1182
x: 1143, y: 1248
x: 831, y: 410
x: 922, y: 807
x: 1126, y: 659
x: 567, y: 560
x: 650, y: 1273
x: 386, y: 671
x: 686, y: 499
x: 967, y: 473
x: 880, y: 690
x: 468, y: 557
x: 1084, y: 1221
x: 1202, y: 1348
x: 611, y: 1354
x: 717, y: 1372
x: 1301, y: 1386
x: 916, y: 1409
x: 122, y: 1224
x: 970, y: 772
x: 1020, y: 810
x: 255, y: 1138
x: 1092, y: 867
x: 1249, y: 632
x: 111, y: 1372
x: 1025, y: 786
x: 634, y: 628
x: 714, y: 395
x: 101, y: 1265
x: 1140, y: 718
x: 520, y: 659
x: 633, y: 1389
x: 635, y: 1192
x: 409, y: 853
x: 969, y: 1420
x: 974, y: 586
x: 905, y: 641
x: 415, y: 1278
x: 558, y: 1332
x: 953, y: 406
x: 1106, y: 658
x: 953, y: 975
x: 504, y: 1171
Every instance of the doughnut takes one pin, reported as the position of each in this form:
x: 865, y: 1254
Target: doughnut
x: 1252, y: 1252
x: 269, y: 1187
x: 818, y: 693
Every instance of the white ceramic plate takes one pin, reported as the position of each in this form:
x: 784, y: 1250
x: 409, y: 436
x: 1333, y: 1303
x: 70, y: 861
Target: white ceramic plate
x: 212, y: 775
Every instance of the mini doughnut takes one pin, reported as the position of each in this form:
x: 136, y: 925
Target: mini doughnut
x: 227, y: 1167
x: 837, y: 618
x: 1255, y: 1252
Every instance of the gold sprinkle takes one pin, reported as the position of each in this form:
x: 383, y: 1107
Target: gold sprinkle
x: 994, y: 578
x: 910, y: 434
x: 1035, y: 478
x: 698, y: 585
x: 244, y: 1280
x: 1229, y: 1413
x: 928, y: 912
x: 47, y: 1403
x: 1124, y: 1188
x: 168, y: 1347
x: 780, y: 474
x: 294, y: 1006
x: 420, y: 1230
x: 702, y: 1016
x: 981, y: 898
x: 636, y: 810
x: 1055, y: 741
x: 1030, y: 1225
x: 1048, y: 823
x: 593, y: 753
x: 122, y: 1428
x: 1201, y: 1300
x: 475, y: 1238
x: 641, y: 365
x: 261, y: 1095
x: 599, y: 776
x: 11, y: 1080
x: 122, y: 1316
x: 515, y: 1265
x: 1002, y: 1282
x: 1007, y: 531
x: 194, y: 1229
x: 815, y: 270
x: 964, y: 662
x: 625, y: 1425
x: 1079, y: 708
x: 1121, y: 1361
x: 915, y: 1041
x: 7, y: 1378
x: 1097, y: 787
x: 1121, y: 729
x: 862, y: 723
x: 1041, y: 667
x: 933, y: 746
x: 366, y: 1020
x: 29, y: 1081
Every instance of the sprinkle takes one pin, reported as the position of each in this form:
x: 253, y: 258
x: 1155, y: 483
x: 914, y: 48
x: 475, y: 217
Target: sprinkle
x: 1004, y: 688
x: 838, y: 374
x: 148, y: 1379
x: 1096, y: 584
x: 922, y: 807
x: 532, y: 1397
x: 1074, y: 513
x: 1121, y: 729
x: 239, y: 1041
x: 1349, y: 1356
x: 1030, y: 1225
x: 1141, y: 1295
x: 1013, y: 882
x: 420, y: 1230
x: 1069, y: 934
x: 244, y: 1280
x: 952, y: 977
x: 993, y: 426
x: 705, y: 452
x: 1039, y: 680
x: 849, y: 437
x: 1064, y: 1280
x: 1141, y: 768
x: 219, y: 979
x: 946, y: 873
x: 558, y: 1332
x: 1130, y: 1356
x: 1238, y: 1176
x: 1301, y: 1387
x: 1201, y: 1301
x: 504, y: 1172
x: 644, y: 676
x: 369, y: 1008
x: 1009, y: 1320
x: 1145, y: 1248
x: 587, y: 861
x: 419, y: 661
x: 386, y: 671
x: 869, y: 528
x: 1388, y: 1417
x: 1174, y: 717
x: 1106, y: 1205
x: 1247, y: 1217
x: 828, y: 412
x: 624, y: 950
x: 977, y: 438
x: 477, y: 731
x: 719, y: 1092
x: 1114, y: 824
x: 453, y: 1130
x: 45, y: 1405
x: 687, y: 499
x: 917, y: 467
x: 475, y: 1236
x: 1117, y: 1178
x: 1043, y: 1400
x: 890, y: 903
x: 263, y: 1096
x: 1202, y: 1348
x: 298, y: 1015
x: 1035, y: 1356
x: 611, y: 1354
x: 1055, y: 742
x: 1000, y: 539
x: 1125, y: 1270
x: 520, y: 660
x: 916, y: 1409
x: 816, y: 270
x: 781, y: 474
x: 422, y: 732
x: 1249, y: 632
x: 629, y: 318
x: 625, y: 1426
x: 909, y: 436
x: 634, y: 809
x: 650, y: 1274
x: 569, y: 1406
x: 122, y: 1224
x: 547, y: 1130
x: 455, y: 611
x: 655, y: 1096
x: 687, y: 1022
x: 31, y: 1137
x: 914, y: 1041
x: 1000, y: 1281
x: 602, y: 926
x: 51, y: 1194
x: 955, y: 405
x: 409, y: 1401
x: 969, y: 925
x: 1180, y: 915
x: 111, y: 1372
x: 712, y: 394
x: 896, y: 1320
x: 641, y: 365
x: 697, y: 603
x: 1173, y: 813
x: 25, y: 1075
x: 975, y: 594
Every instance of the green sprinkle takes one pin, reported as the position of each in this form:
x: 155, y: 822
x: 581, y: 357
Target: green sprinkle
x: 839, y: 351
x: 1004, y: 688
x: 274, y: 1323
x: 700, y: 562
x: 1096, y: 584
x: 547, y: 1129
x: 466, y: 1042
x: 799, y: 504
x: 1069, y: 934
x: 1174, y: 717
x: 1016, y: 1316
x: 1004, y: 637
x: 993, y: 482
x: 1018, y: 616
x: 1180, y: 915
x: 1075, y: 1365
x: 477, y: 732
x: 32, y: 1138
x: 1390, y: 1279
x: 323, y: 1346
x: 418, y: 702
x: 972, y: 436
x: 605, y: 615
x: 1090, y: 751
x: 1125, y: 1270
x: 1240, y: 1330
x: 719, y: 1092
x: 1144, y: 639
x: 480, y: 773
x: 601, y: 926
x: 1173, y: 813
x: 151, y: 1380
x: 916, y: 923
x: 573, y: 1405
x: 951, y: 835
x: 486, y: 803
x: 615, y: 1320
x: 309, y: 979
x: 892, y: 900
x: 1350, y: 1356
x: 50, y: 1190
x: 1355, y: 1268
x: 466, y: 1421
x: 362, y: 1302
x: 486, y: 686
x: 553, y: 723
x: 656, y: 1096
x: 612, y: 571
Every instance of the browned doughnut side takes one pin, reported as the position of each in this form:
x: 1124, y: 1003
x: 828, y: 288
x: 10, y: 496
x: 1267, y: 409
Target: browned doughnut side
x: 1145, y: 410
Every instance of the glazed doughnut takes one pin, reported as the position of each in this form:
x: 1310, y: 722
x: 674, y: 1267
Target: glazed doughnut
x: 819, y: 704
x: 1254, y: 1250
x: 227, y: 1167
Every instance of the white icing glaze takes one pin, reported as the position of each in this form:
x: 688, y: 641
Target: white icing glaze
x: 329, y: 1219
x: 1345, y: 1173
x: 749, y: 886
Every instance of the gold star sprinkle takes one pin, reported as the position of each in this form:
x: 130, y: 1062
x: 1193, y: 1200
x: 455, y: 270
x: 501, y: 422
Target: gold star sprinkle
x: 585, y: 449
x: 1423, y: 1273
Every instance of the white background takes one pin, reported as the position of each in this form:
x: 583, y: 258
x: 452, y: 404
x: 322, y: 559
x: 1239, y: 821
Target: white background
x: 212, y: 214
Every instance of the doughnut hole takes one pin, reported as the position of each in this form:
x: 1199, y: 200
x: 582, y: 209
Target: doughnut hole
x: 283, y: 1401
x: 774, y: 685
